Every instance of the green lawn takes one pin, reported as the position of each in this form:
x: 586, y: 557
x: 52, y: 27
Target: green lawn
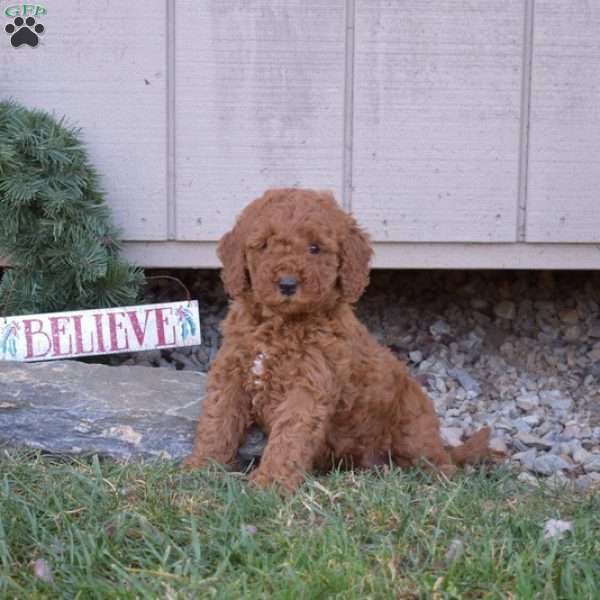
x: 106, y: 530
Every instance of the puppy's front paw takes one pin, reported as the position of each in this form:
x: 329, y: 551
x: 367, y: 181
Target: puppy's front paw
x: 284, y: 484
x: 447, y: 471
x: 193, y: 461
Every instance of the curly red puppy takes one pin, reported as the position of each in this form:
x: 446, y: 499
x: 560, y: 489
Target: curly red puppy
x: 297, y: 362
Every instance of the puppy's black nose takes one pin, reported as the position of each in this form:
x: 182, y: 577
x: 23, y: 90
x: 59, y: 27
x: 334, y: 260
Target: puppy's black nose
x: 288, y: 285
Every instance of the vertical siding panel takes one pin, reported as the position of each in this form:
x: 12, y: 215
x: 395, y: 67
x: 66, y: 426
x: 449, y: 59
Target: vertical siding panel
x: 105, y: 70
x: 525, y: 119
x: 349, y: 105
x: 260, y: 103
x: 171, y: 60
x: 564, y: 150
x: 437, y: 109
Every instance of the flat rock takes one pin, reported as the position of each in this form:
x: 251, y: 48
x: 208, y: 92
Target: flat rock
x: 452, y: 435
x: 528, y: 401
x: 528, y: 478
x: 572, y: 333
x: 556, y: 529
x: 415, y: 356
x: 569, y: 316
x: 498, y: 445
x: 592, y: 464
x: 581, y: 455
x: 588, y: 481
x: 439, y: 328
x: 468, y: 382
x: 533, y: 440
x: 595, y: 330
x: 505, y: 310
x: 71, y: 407
x: 547, y: 464
x: 532, y: 420
x: 559, y: 481
x: 527, y: 458
x: 556, y: 399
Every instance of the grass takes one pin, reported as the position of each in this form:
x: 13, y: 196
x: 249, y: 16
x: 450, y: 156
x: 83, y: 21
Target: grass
x: 107, y: 530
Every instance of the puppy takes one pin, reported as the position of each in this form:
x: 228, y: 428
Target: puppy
x: 296, y: 361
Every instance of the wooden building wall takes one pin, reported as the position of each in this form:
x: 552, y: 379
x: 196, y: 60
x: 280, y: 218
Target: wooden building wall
x: 461, y: 133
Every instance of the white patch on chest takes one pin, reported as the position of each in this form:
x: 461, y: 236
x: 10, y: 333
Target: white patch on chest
x: 258, y: 367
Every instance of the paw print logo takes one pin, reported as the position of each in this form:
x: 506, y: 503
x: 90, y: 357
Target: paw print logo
x: 24, y: 32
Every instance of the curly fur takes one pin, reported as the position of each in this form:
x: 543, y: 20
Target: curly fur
x: 302, y: 367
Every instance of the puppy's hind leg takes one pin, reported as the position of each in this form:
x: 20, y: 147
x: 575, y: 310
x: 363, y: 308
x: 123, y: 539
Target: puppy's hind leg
x: 416, y: 437
x: 475, y: 450
x: 420, y: 443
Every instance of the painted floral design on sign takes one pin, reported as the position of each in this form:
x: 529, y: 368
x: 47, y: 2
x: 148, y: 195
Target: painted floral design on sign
x: 186, y: 322
x: 9, y: 334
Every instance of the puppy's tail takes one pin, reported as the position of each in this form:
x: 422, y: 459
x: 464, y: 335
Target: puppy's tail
x: 476, y: 449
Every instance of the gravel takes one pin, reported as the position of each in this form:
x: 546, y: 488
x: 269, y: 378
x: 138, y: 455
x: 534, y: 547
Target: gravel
x: 518, y: 351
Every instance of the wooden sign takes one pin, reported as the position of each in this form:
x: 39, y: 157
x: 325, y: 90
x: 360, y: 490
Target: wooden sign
x: 102, y: 331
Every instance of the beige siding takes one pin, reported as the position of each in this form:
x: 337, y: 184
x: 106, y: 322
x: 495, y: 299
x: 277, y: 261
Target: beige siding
x: 461, y: 133
x: 259, y: 103
x: 107, y: 73
x: 436, y: 129
x: 563, y: 203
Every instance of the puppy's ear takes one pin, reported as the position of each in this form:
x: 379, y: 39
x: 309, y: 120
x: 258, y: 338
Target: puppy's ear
x: 231, y: 253
x: 355, y: 255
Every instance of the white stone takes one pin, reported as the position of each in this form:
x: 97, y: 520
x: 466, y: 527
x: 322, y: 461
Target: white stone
x: 568, y: 316
x: 528, y: 401
x: 415, y: 356
x: 588, y: 481
x: 592, y: 464
x: 505, y: 309
x: 526, y: 458
x: 532, y: 420
x: 558, y: 481
x: 533, y: 440
x: 528, y: 478
x: 455, y: 550
x: 546, y: 464
x: 439, y: 328
x: 580, y: 455
x: 498, y: 445
x: 556, y: 529
x: 452, y: 435
x: 556, y: 399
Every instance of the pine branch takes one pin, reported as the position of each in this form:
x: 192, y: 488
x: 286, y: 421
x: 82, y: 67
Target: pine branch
x: 55, y: 228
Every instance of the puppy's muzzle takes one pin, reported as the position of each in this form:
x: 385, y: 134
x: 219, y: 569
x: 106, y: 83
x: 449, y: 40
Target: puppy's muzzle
x: 288, y: 285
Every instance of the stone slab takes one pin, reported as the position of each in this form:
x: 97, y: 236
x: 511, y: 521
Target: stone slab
x: 72, y: 407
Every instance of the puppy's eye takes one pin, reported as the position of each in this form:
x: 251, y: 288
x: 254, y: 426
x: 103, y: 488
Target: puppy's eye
x: 314, y: 249
x: 258, y: 245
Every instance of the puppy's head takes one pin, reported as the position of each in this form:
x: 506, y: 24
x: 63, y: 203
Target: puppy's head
x: 295, y: 251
